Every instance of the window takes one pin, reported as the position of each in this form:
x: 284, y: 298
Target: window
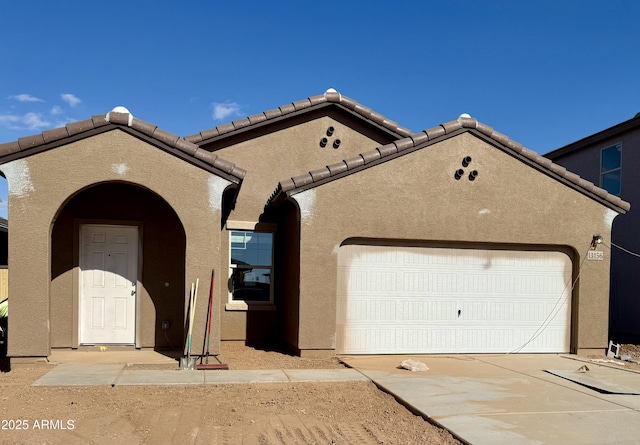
x: 610, y: 169
x: 251, y: 267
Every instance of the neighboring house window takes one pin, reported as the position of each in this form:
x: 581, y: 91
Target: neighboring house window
x: 251, y: 267
x: 611, y: 168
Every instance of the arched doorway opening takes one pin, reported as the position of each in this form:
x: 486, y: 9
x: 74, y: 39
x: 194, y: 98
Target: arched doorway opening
x: 89, y: 267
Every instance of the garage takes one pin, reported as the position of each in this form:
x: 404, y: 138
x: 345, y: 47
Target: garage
x: 411, y: 300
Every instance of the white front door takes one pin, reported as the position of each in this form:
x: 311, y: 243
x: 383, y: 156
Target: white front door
x: 108, y: 276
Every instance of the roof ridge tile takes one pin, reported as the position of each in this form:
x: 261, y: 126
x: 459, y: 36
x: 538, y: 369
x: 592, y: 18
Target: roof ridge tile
x: 330, y: 96
x: 241, y: 123
x: 337, y: 168
x: 405, y: 143
x: 99, y: 120
x: 435, y: 132
x: 468, y: 121
x: 9, y: 148
x: 287, y: 185
x: 451, y: 126
x: 354, y: 162
x: 370, y: 156
x: 302, y: 180
x: 205, y: 156
x: 30, y: 141
x: 55, y: 134
x: 301, y: 104
x: 223, y: 164
x: 225, y: 128
x: 419, y: 138
x: 272, y: 114
x: 79, y: 126
x: 116, y: 118
x: 186, y: 147
x: 166, y: 137
x: 319, y: 174
x: 348, y: 103
x: 257, y: 118
x: 119, y: 118
x: 387, y: 149
x: 287, y: 108
x: 318, y: 99
x: 143, y: 126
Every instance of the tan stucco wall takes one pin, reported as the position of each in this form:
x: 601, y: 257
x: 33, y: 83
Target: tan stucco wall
x: 40, y: 184
x: 416, y: 197
x: 270, y: 158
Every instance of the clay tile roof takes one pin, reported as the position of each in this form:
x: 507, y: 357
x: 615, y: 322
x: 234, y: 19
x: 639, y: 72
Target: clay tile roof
x: 122, y: 119
x: 426, y: 138
x: 55, y: 134
x: 330, y: 96
x: 319, y: 174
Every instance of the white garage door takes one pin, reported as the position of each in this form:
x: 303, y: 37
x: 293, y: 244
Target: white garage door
x: 403, y: 300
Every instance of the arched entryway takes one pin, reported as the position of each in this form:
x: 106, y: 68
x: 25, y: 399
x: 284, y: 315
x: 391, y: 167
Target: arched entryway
x: 132, y: 235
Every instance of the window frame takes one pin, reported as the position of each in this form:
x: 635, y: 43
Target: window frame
x: 243, y: 305
x: 611, y: 170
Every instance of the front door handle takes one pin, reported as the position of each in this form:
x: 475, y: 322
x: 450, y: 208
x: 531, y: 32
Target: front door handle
x: 133, y: 292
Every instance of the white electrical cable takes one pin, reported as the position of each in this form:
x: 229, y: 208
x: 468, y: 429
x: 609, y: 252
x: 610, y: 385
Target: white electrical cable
x: 622, y: 248
x: 563, y: 297
x: 556, y: 307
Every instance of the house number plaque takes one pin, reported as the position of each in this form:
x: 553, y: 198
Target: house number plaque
x: 595, y: 255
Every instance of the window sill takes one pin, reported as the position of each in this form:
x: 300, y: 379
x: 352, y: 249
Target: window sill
x: 241, y: 306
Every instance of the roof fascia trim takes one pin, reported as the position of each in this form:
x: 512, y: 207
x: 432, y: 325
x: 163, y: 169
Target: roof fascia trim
x: 280, y: 195
x: 129, y: 130
x: 293, y: 114
x: 607, y: 133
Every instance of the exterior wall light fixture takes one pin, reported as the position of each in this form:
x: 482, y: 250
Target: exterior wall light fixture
x: 597, y: 239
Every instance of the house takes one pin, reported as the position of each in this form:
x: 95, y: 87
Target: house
x: 609, y: 158
x: 330, y: 228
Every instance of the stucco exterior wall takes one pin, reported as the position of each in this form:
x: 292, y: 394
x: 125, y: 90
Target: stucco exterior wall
x: 268, y: 159
x: 416, y: 198
x: 39, y: 185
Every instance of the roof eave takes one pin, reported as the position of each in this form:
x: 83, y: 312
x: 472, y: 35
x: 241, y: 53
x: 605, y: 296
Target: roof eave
x: 273, y: 121
x: 329, y: 98
x: 607, y: 133
x: 424, y: 139
x: 151, y: 134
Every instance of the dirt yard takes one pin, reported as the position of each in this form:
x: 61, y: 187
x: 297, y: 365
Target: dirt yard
x: 300, y: 413
x: 631, y: 362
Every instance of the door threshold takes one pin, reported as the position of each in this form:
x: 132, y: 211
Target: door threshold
x: 104, y: 347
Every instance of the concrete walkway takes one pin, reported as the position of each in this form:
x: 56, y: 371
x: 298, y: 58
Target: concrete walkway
x: 509, y: 399
x: 116, y: 374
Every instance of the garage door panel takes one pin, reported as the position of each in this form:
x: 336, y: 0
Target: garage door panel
x: 435, y: 300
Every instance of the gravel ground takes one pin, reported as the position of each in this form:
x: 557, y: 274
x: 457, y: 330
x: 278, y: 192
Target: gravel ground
x: 283, y: 413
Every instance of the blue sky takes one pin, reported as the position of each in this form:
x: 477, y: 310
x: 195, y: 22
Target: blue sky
x: 545, y: 73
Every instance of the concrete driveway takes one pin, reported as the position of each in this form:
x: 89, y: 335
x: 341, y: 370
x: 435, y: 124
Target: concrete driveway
x: 511, y: 399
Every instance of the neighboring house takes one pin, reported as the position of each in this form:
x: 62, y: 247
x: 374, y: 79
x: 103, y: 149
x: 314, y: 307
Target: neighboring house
x: 4, y: 234
x: 611, y: 158
x: 331, y: 229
